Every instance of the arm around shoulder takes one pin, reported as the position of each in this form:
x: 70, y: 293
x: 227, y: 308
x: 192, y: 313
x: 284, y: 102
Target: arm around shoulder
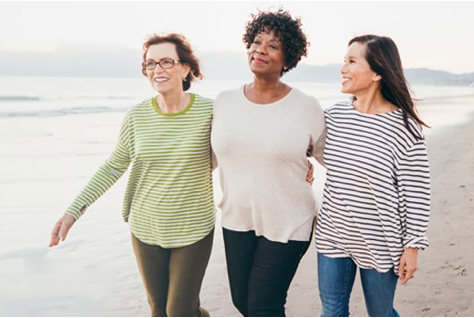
x: 319, y: 133
x: 318, y: 148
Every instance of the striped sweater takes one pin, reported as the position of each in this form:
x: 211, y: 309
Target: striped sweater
x: 169, y: 196
x: 376, y: 199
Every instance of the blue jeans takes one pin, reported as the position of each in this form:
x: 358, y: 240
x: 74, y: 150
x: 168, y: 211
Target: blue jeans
x: 260, y: 272
x: 335, y: 280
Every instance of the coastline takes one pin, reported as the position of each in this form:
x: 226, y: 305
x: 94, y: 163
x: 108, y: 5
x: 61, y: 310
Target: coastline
x: 47, y: 160
x: 444, y: 282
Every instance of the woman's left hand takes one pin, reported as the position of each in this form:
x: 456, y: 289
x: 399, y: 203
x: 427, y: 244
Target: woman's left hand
x: 408, y: 265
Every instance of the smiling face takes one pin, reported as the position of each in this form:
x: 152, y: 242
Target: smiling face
x: 265, y: 54
x: 166, y: 80
x: 357, y: 76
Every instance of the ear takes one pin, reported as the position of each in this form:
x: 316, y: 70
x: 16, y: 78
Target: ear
x: 186, y: 70
x: 376, y: 77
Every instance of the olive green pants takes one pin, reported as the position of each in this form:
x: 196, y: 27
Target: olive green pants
x: 173, y: 277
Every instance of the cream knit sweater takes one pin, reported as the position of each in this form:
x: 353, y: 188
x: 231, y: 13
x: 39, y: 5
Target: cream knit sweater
x: 261, y: 151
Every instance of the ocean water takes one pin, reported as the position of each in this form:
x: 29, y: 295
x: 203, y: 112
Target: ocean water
x: 54, y: 134
x: 50, y: 96
x: 58, y: 130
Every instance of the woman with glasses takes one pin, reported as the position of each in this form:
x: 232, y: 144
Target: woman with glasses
x: 169, y: 201
x: 261, y: 135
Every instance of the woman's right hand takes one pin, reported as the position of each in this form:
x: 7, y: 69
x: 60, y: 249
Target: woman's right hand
x: 61, y: 229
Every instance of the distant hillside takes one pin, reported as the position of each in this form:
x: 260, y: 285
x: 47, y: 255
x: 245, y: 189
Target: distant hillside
x: 330, y: 73
x: 74, y: 62
x: 234, y: 66
x: 431, y: 77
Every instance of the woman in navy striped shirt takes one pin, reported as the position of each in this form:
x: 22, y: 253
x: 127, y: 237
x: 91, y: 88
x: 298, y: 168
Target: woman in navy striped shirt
x: 376, y: 200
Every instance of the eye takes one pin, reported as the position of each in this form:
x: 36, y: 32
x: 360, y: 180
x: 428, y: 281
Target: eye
x: 166, y: 63
x: 150, y: 64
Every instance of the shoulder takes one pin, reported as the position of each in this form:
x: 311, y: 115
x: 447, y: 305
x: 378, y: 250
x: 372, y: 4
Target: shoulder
x: 136, y: 113
x: 304, y: 98
x: 229, y: 94
x: 202, y: 100
x: 407, y: 128
x: 416, y: 128
x: 305, y: 103
x: 307, y: 107
x: 143, y: 105
x: 340, y: 105
x: 137, y: 109
x: 228, y: 98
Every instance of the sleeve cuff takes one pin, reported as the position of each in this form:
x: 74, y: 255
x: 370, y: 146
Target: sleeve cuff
x: 419, y: 243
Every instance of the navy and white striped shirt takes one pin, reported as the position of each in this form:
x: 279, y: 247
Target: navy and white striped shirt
x: 376, y: 199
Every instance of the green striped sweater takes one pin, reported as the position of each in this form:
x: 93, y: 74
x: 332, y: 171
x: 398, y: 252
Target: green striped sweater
x: 169, y: 196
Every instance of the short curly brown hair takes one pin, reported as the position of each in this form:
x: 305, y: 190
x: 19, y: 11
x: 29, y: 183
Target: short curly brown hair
x: 185, y: 54
x: 286, y: 28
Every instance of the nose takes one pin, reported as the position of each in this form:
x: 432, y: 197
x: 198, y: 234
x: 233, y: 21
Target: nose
x: 343, y: 68
x: 261, y: 49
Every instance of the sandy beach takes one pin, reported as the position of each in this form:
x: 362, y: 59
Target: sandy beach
x: 444, y: 282
x: 47, y: 160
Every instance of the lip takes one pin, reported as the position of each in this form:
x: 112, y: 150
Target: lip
x: 160, y: 79
x: 345, y: 80
x: 258, y: 60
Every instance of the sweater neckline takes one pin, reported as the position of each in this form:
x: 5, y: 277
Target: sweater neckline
x: 281, y: 100
x: 184, y: 111
x: 389, y: 113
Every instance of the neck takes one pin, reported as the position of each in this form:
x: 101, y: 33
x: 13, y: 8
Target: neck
x: 173, y: 103
x: 372, y: 102
x: 264, y: 91
x: 265, y: 85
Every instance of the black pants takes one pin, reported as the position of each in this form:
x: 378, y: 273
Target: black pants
x: 260, y: 272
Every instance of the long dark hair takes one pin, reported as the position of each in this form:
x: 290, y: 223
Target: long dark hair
x: 384, y: 59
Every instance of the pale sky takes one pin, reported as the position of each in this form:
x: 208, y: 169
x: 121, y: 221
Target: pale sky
x: 433, y: 34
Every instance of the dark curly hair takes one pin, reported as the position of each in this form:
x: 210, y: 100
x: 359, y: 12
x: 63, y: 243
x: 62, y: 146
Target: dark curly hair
x: 286, y: 28
x: 185, y: 54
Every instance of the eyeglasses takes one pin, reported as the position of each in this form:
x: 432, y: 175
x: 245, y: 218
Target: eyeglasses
x: 164, y: 64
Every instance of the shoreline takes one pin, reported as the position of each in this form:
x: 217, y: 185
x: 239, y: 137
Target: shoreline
x: 94, y: 272
x: 444, y: 283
